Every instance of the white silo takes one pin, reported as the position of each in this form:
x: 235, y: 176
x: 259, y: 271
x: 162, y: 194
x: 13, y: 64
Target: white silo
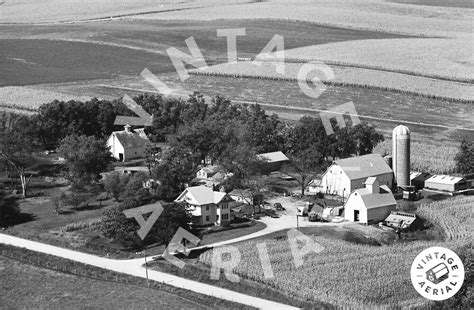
x: 401, y: 155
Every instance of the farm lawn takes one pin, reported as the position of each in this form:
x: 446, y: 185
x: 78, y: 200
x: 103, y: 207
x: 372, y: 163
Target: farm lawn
x: 229, y: 234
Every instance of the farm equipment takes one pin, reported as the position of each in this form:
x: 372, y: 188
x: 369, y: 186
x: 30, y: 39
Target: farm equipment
x: 398, y: 221
x: 313, y: 216
x: 330, y: 212
x: 410, y: 193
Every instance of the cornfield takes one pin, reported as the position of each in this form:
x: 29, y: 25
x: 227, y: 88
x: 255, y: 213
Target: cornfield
x: 455, y: 216
x: 407, y: 56
x: 353, y: 276
x: 26, y: 98
x: 349, y: 76
x: 426, y: 157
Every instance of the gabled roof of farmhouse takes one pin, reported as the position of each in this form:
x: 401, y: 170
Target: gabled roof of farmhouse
x: 131, y: 139
x: 201, y: 195
x: 375, y: 200
x: 364, y: 166
x: 444, y: 179
x: 130, y: 120
x: 211, y: 170
x: 272, y: 157
x: 241, y: 193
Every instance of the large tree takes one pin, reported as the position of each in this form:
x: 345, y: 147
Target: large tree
x: 366, y: 138
x: 86, y: 157
x: 115, y: 184
x: 116, y: 226
x: 174, y: 170
x: 17, y: 144
x: 465, y: 157
x: 9, y: 211
x: 304, y: 166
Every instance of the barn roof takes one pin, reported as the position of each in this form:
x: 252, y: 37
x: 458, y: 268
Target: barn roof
x: 131, y: 139
x: 422, y: 176
x: 272, y: 157
x: 364, y: 166
x: 376, y: 200
x: 200, y: 195
x: 444, y: 179
x: 131, y: 120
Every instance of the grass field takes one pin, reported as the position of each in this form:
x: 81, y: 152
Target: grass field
x: 379, y: 275
x: 442, y: 3
x: 21, y: 288
x: 78, y: 10
x: 72, y: 285
x: 64, y: 53
x: 378, y: 15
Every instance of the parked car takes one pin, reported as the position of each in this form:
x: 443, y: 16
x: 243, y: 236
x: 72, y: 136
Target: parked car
x: 278, y: 206
x: 274, y: 216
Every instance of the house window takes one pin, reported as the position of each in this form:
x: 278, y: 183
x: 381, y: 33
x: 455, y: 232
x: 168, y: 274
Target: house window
x: 224, y: 206
x: 207, y: 208
x: 225, y: 217
x: 207, y: 218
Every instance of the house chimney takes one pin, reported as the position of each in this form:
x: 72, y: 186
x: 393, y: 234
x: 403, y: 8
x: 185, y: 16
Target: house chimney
x: 372, y: 184
x: 127, y: 128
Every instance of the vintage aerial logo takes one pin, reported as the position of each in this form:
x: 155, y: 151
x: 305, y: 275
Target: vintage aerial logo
x: 437, y: 273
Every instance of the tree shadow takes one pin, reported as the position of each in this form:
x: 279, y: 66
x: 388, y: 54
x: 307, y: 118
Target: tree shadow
x: 66, y: 212
x: 438, y: 197
x: 19, y: 218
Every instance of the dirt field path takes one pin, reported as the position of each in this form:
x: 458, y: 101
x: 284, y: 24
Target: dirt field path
x: 134, y: 267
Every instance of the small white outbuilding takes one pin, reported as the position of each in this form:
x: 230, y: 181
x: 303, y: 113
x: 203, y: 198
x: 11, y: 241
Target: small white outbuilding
x: 127, y: 144
x: 370, y: 204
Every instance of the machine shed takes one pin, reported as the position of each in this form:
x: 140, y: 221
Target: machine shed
x: 446, y: 183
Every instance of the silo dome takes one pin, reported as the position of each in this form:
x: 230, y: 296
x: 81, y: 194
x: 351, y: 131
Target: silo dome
x: 401, y: 130
x: 401, y: 155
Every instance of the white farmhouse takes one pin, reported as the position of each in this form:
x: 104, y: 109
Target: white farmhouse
x: 127, y: 144
x: 370, y: 204
x: 207, y: 172
x: 207, y: 207
x: 346, y: 175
